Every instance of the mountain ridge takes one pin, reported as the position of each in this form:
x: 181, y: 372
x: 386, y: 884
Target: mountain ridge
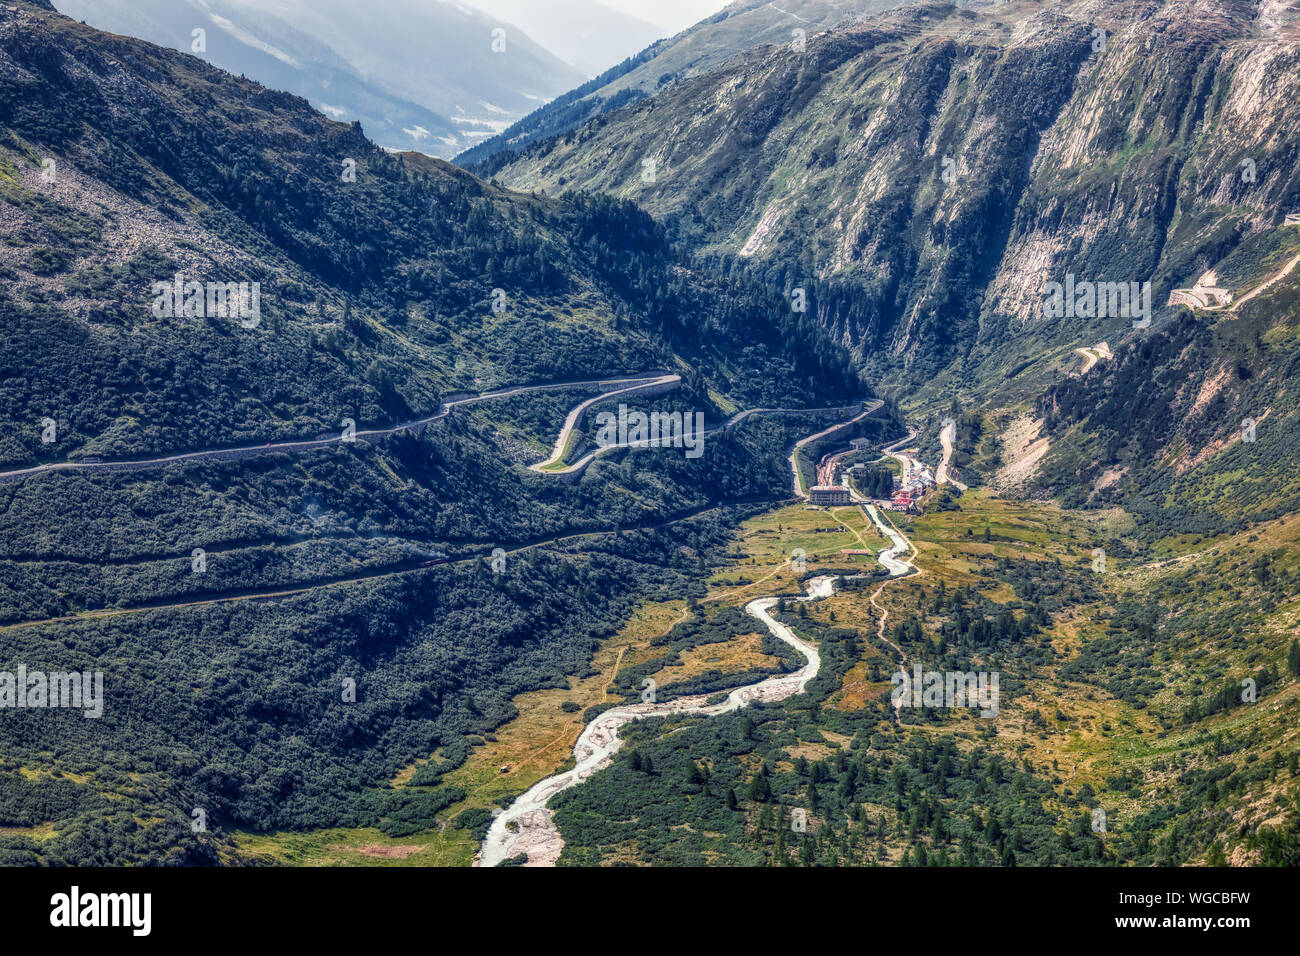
x: 951, y: 284
x: 408, y: 97
x: 737, y: 27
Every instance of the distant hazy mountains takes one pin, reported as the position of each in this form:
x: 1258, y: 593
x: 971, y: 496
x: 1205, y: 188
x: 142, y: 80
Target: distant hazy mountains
x: 584, y: 33
x: 418, y: 74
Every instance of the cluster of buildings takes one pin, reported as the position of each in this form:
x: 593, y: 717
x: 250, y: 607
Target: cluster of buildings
x: 903, y: 500
x: 907, y: 490
x: 916, y: 480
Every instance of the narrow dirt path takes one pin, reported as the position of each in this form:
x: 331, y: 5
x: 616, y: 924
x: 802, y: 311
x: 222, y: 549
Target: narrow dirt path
x: 907, y: 563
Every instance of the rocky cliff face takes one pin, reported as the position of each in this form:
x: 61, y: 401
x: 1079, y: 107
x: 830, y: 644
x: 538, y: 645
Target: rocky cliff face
x: 925, y: 173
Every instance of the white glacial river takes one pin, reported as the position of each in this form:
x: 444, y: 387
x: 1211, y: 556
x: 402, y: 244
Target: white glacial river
x: 535, y: 833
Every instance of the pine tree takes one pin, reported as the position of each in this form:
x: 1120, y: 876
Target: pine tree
x: 760, y: 790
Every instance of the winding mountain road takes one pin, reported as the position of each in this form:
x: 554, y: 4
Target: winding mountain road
x: 618, y: 386
x: 581, y: 464
x: 891, y: 451
x: 1093, y: 355
x: 615, y: 388
x: 633, y: 383
x: 527, y: 826
x: 575, y: 417
x: 1276, y: 277
x: 799, y: 490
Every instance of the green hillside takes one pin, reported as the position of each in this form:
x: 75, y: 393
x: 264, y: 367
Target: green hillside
x: 224, y: 687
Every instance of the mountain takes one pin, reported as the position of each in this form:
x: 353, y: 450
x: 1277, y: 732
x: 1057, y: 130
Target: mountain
x: 930, y: 169
x: 124, y: 166
x: 418, y: 76
x: 740, y: 26
x: 586, y: 34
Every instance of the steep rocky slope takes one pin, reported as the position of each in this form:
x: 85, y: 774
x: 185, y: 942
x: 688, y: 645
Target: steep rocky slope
x: 126, y: 164
x: 928, y: 170
x: 925, y: 176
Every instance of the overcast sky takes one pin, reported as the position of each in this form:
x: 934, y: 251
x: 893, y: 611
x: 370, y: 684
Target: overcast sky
x: 673, y: 15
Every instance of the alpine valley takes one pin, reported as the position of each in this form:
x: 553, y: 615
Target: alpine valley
x: 301, y: 451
